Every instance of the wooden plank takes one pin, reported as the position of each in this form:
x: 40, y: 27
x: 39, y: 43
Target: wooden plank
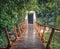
x: 29, y: 40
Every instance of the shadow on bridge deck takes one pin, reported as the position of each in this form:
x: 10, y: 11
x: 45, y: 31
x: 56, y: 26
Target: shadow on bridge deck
x: 29, y: 41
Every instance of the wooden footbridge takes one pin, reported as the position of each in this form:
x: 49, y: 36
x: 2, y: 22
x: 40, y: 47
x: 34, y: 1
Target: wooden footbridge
x: 28, y: 37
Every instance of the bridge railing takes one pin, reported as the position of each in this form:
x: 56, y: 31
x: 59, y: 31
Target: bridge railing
x: 54, y: 39
x: 17, y: 33
x: 41, y: 29
x: 55, y: 42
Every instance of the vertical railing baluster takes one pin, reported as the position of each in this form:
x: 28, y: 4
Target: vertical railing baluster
x: 19, y: 31
x: 42, y: 38
x: 15, y: 32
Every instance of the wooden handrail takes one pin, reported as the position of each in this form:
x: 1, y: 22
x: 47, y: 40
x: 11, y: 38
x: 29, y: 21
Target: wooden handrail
x: 7, y: 36
x: 40, y: 34
x: 51, y: 35
x: 50, y: 38
x: 15, y: 33
x: 49, y: 26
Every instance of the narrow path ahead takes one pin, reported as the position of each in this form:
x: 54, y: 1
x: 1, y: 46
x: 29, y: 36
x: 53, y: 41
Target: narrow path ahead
x: 29, y: 41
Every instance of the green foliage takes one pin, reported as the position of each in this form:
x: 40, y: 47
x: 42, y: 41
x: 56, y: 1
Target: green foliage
x: 55, y: 43
x: 12, y: 12
x: 58, y: 21
x: 48, y: 12
x: 41, y: 21
x: 3, y: 40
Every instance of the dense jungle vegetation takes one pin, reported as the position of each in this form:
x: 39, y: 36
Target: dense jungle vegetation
x: 12, y: 12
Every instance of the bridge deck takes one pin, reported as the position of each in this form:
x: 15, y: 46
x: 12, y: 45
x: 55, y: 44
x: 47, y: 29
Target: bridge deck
x: 29, y: 41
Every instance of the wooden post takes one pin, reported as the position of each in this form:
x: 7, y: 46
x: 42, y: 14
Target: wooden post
x: 15, y: 32
x: 42, y: 38
x: 39, y: 30
x: 19, y: 31
x: 50, y: 38
x: 7, y: 35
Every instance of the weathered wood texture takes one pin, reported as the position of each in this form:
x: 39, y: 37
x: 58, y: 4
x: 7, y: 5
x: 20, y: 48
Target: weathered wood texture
x: 17, y: 33
x: 50, y: 38
x: 51, y: 34
x: 29, y: 40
